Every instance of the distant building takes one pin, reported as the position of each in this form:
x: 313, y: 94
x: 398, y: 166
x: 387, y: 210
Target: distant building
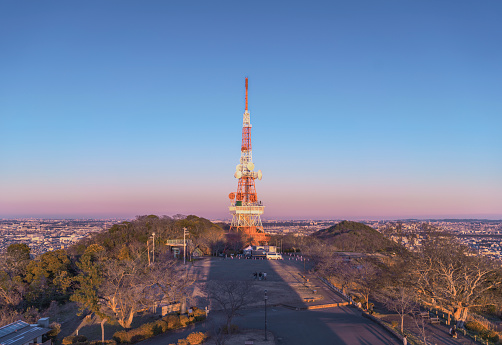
x: 22, y: 333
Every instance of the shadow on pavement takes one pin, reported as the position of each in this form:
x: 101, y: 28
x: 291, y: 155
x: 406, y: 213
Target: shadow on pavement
x: 324, y: 326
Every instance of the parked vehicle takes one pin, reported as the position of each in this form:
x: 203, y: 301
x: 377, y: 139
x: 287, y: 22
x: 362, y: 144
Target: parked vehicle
x: 274, y: 256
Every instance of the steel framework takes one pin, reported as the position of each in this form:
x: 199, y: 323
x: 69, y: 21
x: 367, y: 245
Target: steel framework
x: 244, y: 205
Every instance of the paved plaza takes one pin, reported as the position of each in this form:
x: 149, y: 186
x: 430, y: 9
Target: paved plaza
x: 289, y: 295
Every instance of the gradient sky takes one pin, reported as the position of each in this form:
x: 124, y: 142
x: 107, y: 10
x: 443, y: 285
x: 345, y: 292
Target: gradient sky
x: 360, y: 109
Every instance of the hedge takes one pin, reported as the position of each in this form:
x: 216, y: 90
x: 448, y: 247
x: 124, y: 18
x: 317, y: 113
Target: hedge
x: 482, y: 331
x: 151, y: 329
x: 82, y: 340
x: 194, y: 338
x: 74, y: 339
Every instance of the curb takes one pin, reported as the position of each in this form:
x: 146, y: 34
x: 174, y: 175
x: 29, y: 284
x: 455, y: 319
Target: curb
x: 381, y: 324
x: 331, y: 305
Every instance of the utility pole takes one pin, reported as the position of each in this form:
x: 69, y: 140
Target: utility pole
x: 153, y: 235
x: 184, y: 245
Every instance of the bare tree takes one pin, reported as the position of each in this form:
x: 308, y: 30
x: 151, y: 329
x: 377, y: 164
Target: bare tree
x: 449, y: 275
x: 401, y: 300
x: 130, y: 285
x: 211, y: 240
x: 341, y: 269
x: 420, y: 323
x: 368, y: 279
x: 118, y: 289
x: 230, y: 296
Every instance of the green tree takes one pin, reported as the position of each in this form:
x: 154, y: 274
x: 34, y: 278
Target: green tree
x: 49, y: 277
x: 88, y: 282
x: 16, y: 258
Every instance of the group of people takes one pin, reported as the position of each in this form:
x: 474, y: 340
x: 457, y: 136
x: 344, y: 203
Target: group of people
x: 260, y: 276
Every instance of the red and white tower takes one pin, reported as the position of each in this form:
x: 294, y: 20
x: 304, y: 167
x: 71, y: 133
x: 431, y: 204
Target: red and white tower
x: 245, y: 207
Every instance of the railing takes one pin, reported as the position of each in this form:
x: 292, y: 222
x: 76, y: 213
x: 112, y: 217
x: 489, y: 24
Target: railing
x: 331, y: 286
x: 178, y: 242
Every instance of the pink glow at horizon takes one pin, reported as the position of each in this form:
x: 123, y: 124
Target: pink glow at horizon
x: 304, y: 202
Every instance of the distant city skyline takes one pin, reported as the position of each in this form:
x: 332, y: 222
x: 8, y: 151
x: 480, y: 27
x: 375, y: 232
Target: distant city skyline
x: 367, y: 110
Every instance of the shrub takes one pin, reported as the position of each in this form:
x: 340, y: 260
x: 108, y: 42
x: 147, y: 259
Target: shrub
x: 73, y: 339
x: 55, y: 330
x: 160, y: 327
x: 492, y: 336
x: 394, y: 324
x: 150, y: 329
x: 484, y: 332
x: 145, y: 330
x: 475, y: 326
x: 198, y: 314
x: 120, y: 337
x: 196, y: 338
x: 184, y: 320
x: 173, y: 321
x: 183, y: 342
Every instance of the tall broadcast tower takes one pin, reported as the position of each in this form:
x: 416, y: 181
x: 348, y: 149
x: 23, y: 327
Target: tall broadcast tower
x: 244, y: 205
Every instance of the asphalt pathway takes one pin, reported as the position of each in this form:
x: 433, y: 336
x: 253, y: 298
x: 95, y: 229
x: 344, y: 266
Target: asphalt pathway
x: 337, y: 326
x: 332, y: 326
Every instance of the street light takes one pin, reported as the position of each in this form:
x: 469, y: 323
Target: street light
x: 184, y: 245
x: 153, y: 235
x: 266, y: 298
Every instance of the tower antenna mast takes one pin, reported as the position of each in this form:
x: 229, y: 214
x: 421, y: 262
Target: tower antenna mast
x: 244, y: 205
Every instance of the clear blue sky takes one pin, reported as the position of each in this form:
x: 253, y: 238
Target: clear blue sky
x: 360, y: 109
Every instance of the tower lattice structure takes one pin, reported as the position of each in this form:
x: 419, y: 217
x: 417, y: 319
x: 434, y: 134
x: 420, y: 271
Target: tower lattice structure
x: 245, y: 207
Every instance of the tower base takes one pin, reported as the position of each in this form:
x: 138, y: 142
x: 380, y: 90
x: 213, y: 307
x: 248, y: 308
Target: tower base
x: 248, y: 235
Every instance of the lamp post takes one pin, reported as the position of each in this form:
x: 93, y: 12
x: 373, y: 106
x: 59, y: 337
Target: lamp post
x: 184, y: 245
x: 266, y: 298
x: 153, y: 256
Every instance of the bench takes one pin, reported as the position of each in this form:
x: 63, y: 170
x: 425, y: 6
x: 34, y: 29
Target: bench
x: 425, y: 315
x: 434, y: 319
x: 249, y: 342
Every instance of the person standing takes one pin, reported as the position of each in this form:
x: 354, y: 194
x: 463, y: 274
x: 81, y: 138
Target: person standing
x: 405, y: 340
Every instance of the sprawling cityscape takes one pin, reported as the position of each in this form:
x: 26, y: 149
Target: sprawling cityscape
x: 44, y: 235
